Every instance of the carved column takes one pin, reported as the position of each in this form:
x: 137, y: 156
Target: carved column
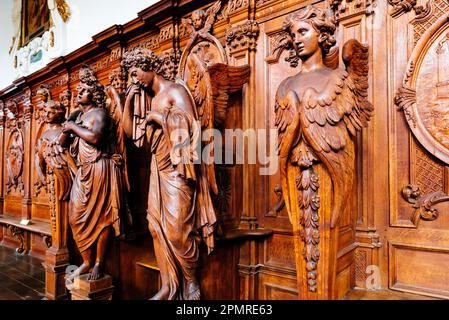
x: 57, y: 257
x: 241, y: 45
x: 26, y: 129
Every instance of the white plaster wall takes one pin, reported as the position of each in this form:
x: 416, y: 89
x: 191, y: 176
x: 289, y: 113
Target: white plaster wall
x: 88, y: 18
x: 6, y: 34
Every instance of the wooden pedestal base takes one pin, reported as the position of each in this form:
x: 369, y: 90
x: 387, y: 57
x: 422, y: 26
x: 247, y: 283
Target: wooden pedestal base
x: 84, y: 289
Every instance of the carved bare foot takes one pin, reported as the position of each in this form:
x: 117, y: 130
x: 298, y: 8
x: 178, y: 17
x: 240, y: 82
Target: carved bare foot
x: 193, y: 291
x: 163, y: 294
x: 96, y: 273
x: 83, y: 269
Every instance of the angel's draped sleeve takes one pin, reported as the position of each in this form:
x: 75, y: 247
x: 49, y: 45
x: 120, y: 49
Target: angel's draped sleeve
x: 182, y: 132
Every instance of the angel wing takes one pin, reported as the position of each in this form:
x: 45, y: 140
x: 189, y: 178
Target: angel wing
x: 61, y: 164
x: 114, y: 104
x: 325, y: 120
x: 329, y: 117
x: 211, y: 14
x: 210, y: 87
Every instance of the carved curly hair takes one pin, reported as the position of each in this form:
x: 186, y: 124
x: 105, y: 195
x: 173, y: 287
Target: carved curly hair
x: 319, y: 19
x: 144, y: 59
x: 58, y: 108
x: 90, y: 81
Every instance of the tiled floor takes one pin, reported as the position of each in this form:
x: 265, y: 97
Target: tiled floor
x: 21, y: 277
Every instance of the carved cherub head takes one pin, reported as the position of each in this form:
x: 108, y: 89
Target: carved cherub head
x: 311, y: 29
x: 54, y: 112
x: 142, y: 64
x: 43, y: 93
x: 117, y: 79
x: 65, y: 97
x: 11, y: 109
x: 90, y: 90
x: 198, y: 19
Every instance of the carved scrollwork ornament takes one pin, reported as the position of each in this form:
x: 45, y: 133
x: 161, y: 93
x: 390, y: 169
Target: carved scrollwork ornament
x: 280, y: 204
x: 404, y: 6
x: 19, y: 235
x: 423, y: 204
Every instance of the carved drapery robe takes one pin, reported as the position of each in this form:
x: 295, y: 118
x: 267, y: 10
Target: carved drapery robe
x: 97, y: 198
x: 180, y: 209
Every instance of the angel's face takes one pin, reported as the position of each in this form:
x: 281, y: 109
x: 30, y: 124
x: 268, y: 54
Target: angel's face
x: 84, y: 95
x: 305, y: 38
x: 65, y: 100
x: 50, y: 114
x: 197, y: 19
x: 145, y: 78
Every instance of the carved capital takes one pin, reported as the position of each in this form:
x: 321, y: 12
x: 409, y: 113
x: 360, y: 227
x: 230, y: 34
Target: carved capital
x: 346, y: 8
x: 423, y: 204
x: 243, y: 36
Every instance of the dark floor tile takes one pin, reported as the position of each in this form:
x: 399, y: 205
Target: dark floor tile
x: 21, y: 277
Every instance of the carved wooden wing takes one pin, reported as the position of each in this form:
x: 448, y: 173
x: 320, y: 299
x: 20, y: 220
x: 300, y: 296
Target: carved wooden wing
x: 210, y: 16
x: 327, y: 118
x: 210, y: 87
x: 61, y: 164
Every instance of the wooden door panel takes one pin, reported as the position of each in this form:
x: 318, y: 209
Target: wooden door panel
x: 419, y: 269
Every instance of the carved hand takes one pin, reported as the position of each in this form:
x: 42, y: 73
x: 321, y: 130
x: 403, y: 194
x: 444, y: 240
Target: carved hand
x: 68, y: 127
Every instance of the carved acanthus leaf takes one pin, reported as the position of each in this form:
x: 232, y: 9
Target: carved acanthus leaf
x: 406, y: 96
x: 278, y: 43
x: 405, y: 100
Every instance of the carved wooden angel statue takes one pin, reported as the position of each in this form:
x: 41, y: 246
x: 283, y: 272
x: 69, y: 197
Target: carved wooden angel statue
x: 180, y: 209
x: 51, y: 157
x: 97, y: 208
x: 318, y: 112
